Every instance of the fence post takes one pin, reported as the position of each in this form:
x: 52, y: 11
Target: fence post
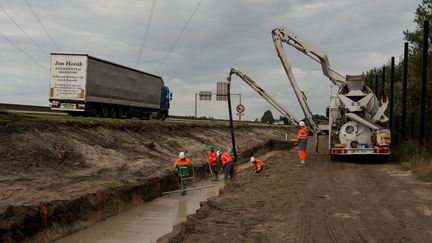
x: 423, y: 82
x: 383, y: 83
x: 396, y: 134
x: 412, y: 125
x: 376, y: 85
x: 391, y: 92
x: 404, y: 89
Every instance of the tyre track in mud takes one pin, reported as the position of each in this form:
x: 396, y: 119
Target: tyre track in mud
x: 304, y: 227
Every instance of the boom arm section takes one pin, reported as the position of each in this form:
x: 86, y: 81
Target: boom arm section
x: 282, y: 34
x: 279, y: 36
x: 291, y: 118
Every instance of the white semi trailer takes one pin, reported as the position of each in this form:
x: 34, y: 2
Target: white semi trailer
x: 84, y: 85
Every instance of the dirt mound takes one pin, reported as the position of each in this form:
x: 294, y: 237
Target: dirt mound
x: 54, y: 173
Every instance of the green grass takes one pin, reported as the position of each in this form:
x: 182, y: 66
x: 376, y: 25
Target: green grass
x: 6, y: 117
x: 415, y: 158
x: 10, y: 117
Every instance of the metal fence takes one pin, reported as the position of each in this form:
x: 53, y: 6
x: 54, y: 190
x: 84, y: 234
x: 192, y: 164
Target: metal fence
x: 412, y: 129
x: 406, y: 121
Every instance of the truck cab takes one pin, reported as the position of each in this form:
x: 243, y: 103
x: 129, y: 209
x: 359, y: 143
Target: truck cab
x: 166, y: 97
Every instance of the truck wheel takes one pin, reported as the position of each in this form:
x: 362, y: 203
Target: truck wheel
x: 106, y: 112
x: 115, y: 112
x: 163, y: 116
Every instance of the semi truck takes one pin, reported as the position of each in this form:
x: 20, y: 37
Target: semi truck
x: 81, y: 84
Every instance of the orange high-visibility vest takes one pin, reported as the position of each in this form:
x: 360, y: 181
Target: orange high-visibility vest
x: 212, y: 158
x: 258, y: 164
x: 302, y: 139
x: 302, y: 134
x: 226, y: 158
x: 184, y: 161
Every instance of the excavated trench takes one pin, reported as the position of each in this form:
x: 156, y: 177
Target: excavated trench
x: 65, y: 217
x: 150, y: 221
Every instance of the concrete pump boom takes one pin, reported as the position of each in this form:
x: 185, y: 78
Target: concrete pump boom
x: 291, y: 118
x: 282, y: 34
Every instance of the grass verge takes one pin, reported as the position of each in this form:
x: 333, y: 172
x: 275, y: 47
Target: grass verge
x: 416, y: 158
x: 11, y: 117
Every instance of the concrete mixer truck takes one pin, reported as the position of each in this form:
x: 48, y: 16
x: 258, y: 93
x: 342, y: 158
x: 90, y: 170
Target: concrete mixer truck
x: 357, y: 123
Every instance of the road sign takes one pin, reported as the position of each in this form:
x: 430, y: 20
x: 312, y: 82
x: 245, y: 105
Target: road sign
x: 221, y: 91
x: 240, y: 108
x: 205, y: 95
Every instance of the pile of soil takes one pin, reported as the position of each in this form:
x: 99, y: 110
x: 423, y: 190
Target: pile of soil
x: 58, y: 177
x: 323, y: 202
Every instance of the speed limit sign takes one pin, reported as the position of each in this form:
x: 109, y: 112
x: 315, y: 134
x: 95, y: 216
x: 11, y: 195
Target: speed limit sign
x: 240, y: 108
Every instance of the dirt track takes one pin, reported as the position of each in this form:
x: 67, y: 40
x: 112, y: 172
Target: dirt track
x: 324, y: 202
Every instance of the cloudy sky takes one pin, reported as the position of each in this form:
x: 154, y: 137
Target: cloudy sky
x: 356, y: 35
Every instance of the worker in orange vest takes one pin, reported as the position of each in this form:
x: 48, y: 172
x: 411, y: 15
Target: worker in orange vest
x: 301, y: 143
x: 212, y: 159
x: 258, y: 164
x: 228, y: 164
x: 183, y: 166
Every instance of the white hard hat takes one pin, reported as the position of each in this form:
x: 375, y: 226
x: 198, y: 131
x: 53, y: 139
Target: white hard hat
x: 301, y: 123
x: 252, y: 159
x: 182, y: 155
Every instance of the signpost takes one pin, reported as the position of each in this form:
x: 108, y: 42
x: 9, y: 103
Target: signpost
x: 221, y: 95
x: 240, y: 109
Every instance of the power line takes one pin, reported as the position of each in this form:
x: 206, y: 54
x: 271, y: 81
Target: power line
x: 34, y: 42
x: 40, y: 22
x: 23, y: 52
x: 179, y: 36
x: 149, y: 20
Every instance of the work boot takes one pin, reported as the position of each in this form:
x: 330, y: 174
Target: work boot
x: 183, y: 193
x: 302, y: 164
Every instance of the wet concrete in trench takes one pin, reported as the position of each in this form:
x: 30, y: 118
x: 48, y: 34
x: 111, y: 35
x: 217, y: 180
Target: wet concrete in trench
x: 148, y: 222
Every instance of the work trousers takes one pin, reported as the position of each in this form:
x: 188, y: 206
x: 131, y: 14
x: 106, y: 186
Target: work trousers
x: 229, y: 170
x: 213, y: 169
x: 302, y: 154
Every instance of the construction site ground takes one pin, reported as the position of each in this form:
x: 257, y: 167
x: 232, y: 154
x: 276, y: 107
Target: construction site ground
x: 327, y: 201
x: 59, y: 175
